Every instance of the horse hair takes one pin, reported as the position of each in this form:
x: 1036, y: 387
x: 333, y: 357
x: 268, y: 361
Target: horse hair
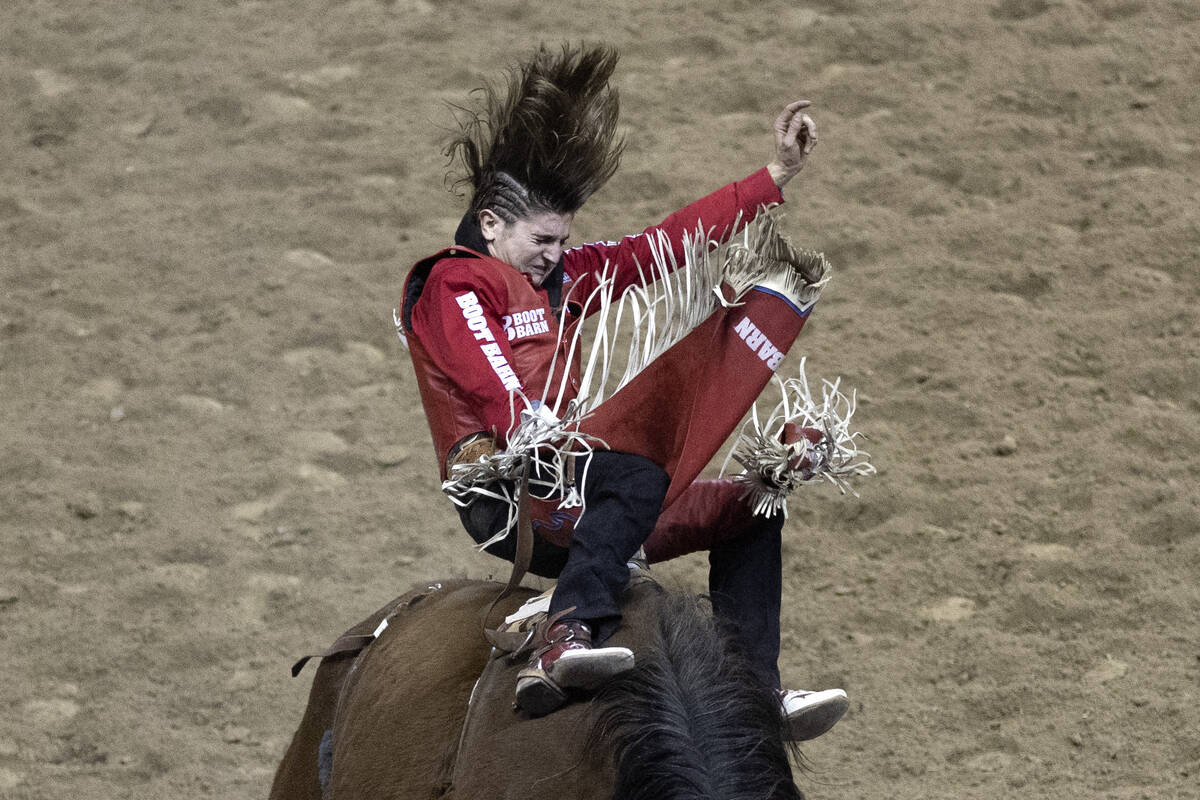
x: 692, y: 721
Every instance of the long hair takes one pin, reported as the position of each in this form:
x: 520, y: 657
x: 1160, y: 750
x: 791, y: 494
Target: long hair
x: 545, y: 139
x: 691, y: 722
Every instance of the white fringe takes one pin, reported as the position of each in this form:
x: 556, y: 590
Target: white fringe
x: 674, y: 299
x: 763, y: 257
x: 766, y: 476
x: 539, y: 443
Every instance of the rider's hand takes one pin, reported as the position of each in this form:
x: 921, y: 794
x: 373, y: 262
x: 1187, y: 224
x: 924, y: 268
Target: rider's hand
x: 795, y: 137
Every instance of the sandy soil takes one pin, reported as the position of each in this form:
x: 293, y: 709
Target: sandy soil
x: 213, y: 456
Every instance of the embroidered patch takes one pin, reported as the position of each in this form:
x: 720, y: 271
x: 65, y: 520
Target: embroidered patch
x: 526, y: 323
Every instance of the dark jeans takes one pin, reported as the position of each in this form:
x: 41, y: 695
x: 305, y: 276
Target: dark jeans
x: 745, y: 582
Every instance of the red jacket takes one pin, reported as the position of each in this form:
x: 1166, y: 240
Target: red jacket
x: 478, y: 329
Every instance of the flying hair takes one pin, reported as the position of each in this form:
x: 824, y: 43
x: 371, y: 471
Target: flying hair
x: 542, y: 139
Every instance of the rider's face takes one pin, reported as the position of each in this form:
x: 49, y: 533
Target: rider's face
x: 533, y: 244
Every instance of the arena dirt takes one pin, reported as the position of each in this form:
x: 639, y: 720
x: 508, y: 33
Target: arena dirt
x: 214, y: 458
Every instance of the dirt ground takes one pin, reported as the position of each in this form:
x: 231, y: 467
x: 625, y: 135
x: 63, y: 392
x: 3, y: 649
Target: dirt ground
x: 213, y: 455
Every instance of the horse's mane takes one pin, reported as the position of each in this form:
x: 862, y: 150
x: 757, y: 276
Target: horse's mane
x: 692, y: 722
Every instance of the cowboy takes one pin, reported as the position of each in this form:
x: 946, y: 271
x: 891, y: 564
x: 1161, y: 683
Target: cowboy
x: 483, y: 321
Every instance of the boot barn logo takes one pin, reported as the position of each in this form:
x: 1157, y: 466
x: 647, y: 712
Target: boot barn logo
x: 477, y: 323
x: 757, y: 341
x: 526, y: 323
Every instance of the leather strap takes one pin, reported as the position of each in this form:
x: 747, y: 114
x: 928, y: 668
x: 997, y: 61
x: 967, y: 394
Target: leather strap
x: 346, y: 643
x: 505, y: 640
x: 354, y: 642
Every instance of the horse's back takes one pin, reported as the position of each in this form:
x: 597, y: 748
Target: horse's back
x: 690, y: 721
x: 406, y: 694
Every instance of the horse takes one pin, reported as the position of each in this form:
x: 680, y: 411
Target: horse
x: 426, y: 711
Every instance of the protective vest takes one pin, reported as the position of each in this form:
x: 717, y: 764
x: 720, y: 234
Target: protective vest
x: 530, y: 326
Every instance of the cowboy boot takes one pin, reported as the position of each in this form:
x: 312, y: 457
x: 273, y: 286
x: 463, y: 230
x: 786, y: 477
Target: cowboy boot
x: 566, y: 660
x: 811, y: 714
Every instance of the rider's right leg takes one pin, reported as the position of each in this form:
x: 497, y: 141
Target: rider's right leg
x: 623, y: 494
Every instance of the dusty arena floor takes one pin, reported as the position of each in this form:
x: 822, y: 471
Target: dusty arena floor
x: 213, y: 456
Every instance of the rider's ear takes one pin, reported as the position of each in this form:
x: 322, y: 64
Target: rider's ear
x: 490, y: 224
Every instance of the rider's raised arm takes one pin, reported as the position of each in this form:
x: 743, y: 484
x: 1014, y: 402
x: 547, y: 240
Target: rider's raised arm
x: 716, y: 214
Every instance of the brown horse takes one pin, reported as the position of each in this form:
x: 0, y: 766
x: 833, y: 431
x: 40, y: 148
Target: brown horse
x: 405, y: 718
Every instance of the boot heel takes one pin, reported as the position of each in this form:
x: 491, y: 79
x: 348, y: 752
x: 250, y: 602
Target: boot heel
x: 537, y: 694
